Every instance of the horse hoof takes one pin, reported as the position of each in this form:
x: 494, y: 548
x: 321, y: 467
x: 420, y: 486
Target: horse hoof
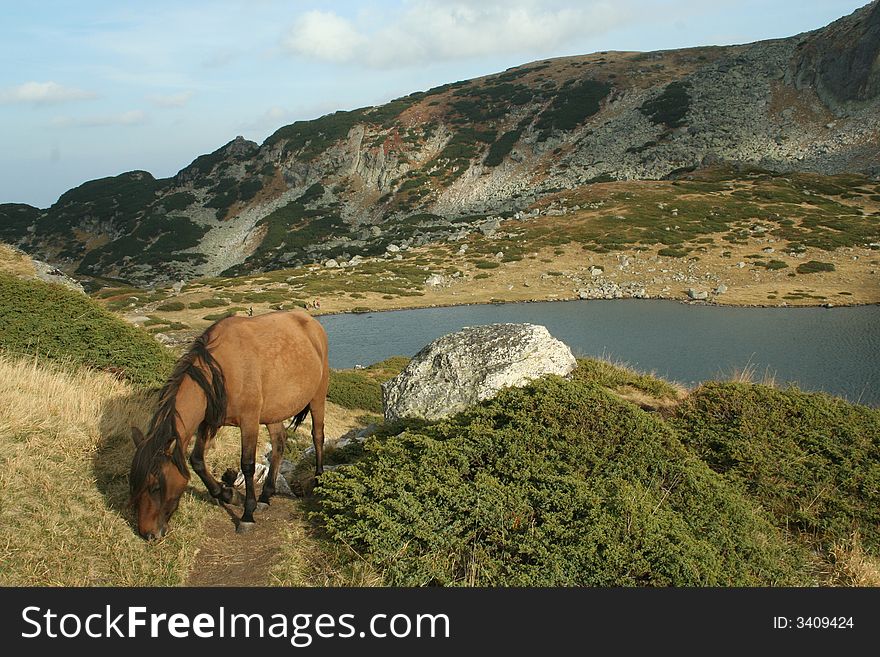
x: 245, y: 527
x: 262, y: 506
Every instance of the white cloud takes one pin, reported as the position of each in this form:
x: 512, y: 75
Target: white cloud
x: 171, y: 100
x: 324, y: 35
x: 431, y: 30
x: 130, y: 118
x: 42, y: 93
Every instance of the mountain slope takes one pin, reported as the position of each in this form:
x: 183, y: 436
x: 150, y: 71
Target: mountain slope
x: 353, y: 182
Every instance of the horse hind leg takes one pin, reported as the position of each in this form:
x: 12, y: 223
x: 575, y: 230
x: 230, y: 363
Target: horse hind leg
x: 317, y: 412
x: 249, y: 433
x: 279, y: 437
x: 219, y: 492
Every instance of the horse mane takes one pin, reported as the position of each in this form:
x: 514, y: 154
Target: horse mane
x: 163, y: 426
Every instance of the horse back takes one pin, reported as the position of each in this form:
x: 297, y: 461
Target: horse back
x: 273, y: 364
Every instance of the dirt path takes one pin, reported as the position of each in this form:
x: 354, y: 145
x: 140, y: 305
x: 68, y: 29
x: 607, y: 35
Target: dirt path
x: 229, y: 559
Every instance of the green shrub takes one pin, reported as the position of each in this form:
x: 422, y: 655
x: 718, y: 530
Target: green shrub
x: 486, y: 264
x: 573, y: 104
x: 499, y: 149
x: 616, y: 377
x: 670, y: 107
x: 361, y: 388
x: 216, y: 317
x: 811, y: 460
x: 210, y: 302
x: 814, y: 266
x: 558, y: 484
x: 354, y: 389
x: 171, y: 306
x: 673, y: 252
x: 53, y: 322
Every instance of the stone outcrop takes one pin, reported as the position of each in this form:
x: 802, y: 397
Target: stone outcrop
x: 461, y: 369
x: 842, y: 61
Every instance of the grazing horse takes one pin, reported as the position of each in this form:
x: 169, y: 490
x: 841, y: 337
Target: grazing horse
x: 242, y: 371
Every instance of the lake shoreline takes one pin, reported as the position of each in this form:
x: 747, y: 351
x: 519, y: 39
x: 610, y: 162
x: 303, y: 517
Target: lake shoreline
x: 684, y: 302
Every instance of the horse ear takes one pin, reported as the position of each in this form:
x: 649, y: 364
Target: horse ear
x: 137, y: 436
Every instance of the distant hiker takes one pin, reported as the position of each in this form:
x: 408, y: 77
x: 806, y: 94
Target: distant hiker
x: 317, y: 303
x: 251, y: 311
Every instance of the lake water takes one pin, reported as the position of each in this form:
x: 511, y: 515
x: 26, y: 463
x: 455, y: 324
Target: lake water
x: 832, y: 349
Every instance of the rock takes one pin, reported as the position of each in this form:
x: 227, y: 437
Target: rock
x: 721, y: 289
x: 282, y: 487
x: 435, y: 280
x: 355, y: 436
x: 461, y: 369
x: 163, y: 338
x: 489, y: 227
x: 698, y: 295
x: 392, y: 248
x: 51, y: 274
x: 596, y: 271
x: 331, y: 263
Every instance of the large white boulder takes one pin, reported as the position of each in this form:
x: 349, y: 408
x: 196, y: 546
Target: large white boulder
x: 461, y: 369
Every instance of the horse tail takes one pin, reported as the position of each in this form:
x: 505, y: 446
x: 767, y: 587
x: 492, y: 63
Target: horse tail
x: 298, y: 419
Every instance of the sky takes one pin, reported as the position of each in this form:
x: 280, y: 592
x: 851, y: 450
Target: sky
x: 98, y: 87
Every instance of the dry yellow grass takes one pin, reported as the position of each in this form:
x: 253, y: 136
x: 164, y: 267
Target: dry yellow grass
x: 847, y: 564
x: 13, y: 261
x: 66, y: 451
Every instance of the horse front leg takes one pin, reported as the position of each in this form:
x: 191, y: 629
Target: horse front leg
x: 249, y: 433
x: 219, y: 492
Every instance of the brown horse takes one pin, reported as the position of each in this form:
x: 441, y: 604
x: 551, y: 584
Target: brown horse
x: 242, y: 371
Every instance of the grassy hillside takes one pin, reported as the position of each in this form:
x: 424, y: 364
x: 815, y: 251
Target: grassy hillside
x: 607, y: 478
x: 60, y: 325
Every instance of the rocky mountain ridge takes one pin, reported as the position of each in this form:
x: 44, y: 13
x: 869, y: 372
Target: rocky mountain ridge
x: 434, y: 165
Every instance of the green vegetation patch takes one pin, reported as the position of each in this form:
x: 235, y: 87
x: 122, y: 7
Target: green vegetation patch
x: 670, y: 107
x: 500, y: 148
x: 813, y: 267
x: 53, y: 322
x: 618, y: 377
x: 558, y: 484
x: 362, y: 388
x: 573, y: 104
x: 171, y: 306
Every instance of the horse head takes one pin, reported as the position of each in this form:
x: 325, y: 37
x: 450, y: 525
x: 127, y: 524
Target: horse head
x: 156, y: 486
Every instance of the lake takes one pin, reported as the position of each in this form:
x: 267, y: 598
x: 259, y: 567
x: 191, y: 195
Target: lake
x: 832, y: 349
